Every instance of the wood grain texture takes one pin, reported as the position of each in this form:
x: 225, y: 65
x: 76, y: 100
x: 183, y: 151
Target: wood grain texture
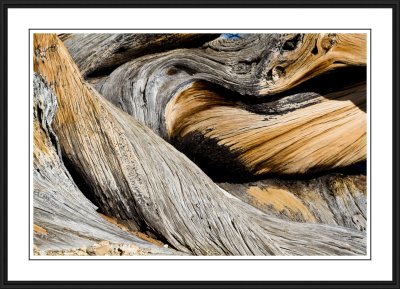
x: 255, y: 65
x: 135, y: 174
x: 63, y: 218
x: 314, y: 133
x: 176, y: 94
x: 98, y: 54
x: 334, y: 199
x: 310, y: 55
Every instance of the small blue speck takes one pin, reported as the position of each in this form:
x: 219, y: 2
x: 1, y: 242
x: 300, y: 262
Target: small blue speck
x: 232, y: 36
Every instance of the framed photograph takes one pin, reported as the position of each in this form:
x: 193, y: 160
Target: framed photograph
x: 200, y: 144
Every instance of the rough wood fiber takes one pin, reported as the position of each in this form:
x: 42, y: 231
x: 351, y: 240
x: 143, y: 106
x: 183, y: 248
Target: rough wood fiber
x: 299, y: 132
x: 98, y: 54
x: 254, y: 64
x: 134, y: 174
x: 332, y: 199
x: 63, y: 218
x: 310, y: 56
x: 317, y: 133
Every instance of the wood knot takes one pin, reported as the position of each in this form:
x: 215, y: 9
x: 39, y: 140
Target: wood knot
x: 292, y: 43
x: 171, y: 71
x: 277, y: 72
x: 328, y: 41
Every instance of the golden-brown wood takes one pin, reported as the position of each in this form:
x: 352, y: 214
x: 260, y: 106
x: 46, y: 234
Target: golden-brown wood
x: 329, y: 133
x: 133, y: 174
x: 317, y: 54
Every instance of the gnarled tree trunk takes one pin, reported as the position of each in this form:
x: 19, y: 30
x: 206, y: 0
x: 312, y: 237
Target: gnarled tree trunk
x: 134, y: 174
x: 220, y: 103
x: 240, y: 109
x: 63, y: 218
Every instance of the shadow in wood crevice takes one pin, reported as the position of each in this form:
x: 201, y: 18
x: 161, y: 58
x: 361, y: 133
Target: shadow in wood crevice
x: 324, y: 85
x: 219, y: 163
x: 223, y: 165
x: 207, y: 135
x: 81, y: 183
x: 152, y: 49
x: 88, y: 192
x: 331, y: 81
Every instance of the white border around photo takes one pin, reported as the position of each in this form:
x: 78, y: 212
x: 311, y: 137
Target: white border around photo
x: 377, y: 23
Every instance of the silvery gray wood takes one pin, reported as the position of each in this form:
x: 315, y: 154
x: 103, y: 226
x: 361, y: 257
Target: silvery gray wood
x: 69, y: 218
x: 135, y: 174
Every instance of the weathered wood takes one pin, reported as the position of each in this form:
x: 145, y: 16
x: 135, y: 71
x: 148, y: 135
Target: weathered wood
x: 303, y: 57
x: 296, y: 132
x: 99, y: 53
x: 310, y: 133
x: 134, y: 174
x: 253, y: 65
x: 331, y: 199
x: 63, y: 218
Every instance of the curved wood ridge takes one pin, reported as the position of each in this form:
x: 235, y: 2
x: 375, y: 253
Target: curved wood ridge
x: 316, y: 54
x: 291, y: 132
x: 64, y: 218
x: 254, y: 65
x: 134, y: 174
x: 333, y: 199
x: 98, y: 54
x: 294, y: 134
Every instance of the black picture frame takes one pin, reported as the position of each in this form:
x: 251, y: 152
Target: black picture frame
x: 394, y: 5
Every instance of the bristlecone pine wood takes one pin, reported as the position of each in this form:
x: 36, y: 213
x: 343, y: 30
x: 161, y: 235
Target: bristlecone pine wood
x: 63, y: 217
x: 119, y: 110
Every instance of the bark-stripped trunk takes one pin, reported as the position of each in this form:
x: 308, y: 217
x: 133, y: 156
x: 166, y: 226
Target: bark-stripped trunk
x: 247, y: 129
x: 104, y: 52
x: 63, y: 217
x: 332, y: 199
x: 134, y: 174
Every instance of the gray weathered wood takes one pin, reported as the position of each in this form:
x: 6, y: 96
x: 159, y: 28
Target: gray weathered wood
x: 333, y: 199
x: 135, y: 174
x: 178, y: 95
x: 63, y: 218
x: 99, y: 53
